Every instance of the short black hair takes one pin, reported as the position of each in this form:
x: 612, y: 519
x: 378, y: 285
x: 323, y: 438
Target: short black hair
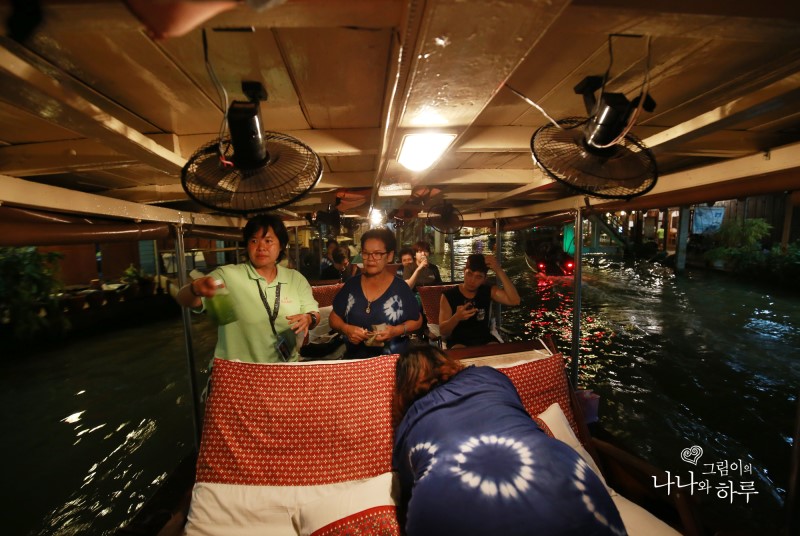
x: 422, y: 246
x: 264, y: 222
x: 405, y: 251
x: 477, y: 263
x: 340, y: 254
x: 383, y: 234
x: 331, y: 241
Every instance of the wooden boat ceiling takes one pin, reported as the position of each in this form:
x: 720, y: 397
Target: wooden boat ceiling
x: 92, y: 105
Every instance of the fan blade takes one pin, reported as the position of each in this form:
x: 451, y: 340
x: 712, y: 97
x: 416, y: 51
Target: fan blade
x: 623, y: 171
x: 291, y: 170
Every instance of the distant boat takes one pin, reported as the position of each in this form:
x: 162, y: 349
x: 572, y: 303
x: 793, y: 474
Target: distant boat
x: 561, y: 266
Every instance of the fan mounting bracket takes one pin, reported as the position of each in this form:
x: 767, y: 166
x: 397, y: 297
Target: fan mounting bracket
x: 254, y: 91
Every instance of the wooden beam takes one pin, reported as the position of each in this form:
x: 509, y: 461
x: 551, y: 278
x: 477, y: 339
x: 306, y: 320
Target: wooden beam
x: 22, y: 84
x: 22, y: 193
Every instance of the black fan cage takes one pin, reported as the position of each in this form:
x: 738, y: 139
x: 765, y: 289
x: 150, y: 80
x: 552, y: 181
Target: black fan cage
x: 291, y: 170
x: 626, y: 170
x: 445, y: 218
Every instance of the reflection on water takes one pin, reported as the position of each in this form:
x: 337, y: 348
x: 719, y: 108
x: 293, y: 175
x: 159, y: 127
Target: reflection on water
x: 97, y: 425
x: 699, y: 359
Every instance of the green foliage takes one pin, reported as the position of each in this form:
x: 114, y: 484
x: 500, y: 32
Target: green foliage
x: 28, y: 292
x: 739, y: 246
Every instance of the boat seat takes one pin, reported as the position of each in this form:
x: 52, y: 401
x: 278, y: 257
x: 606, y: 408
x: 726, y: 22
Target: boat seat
x: 323, y: 458
x: 324, y: 294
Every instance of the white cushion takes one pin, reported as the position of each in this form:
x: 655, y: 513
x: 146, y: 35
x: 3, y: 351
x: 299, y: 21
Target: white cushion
x: 637, y: 520
x: 555, y: 419
x: 349, y: 498
x: 640, y: 522
x: 507, y: 360
x: 230, y: 509
x: 239, y: 511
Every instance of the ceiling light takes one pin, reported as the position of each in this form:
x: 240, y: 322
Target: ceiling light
x: 420, y: 151
x: 376, y: 217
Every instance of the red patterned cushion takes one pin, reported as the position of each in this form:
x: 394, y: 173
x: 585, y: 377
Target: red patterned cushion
x: 297, y: 424
x: 378, y: 521
x: 324, y: 294
x: 541, y: 383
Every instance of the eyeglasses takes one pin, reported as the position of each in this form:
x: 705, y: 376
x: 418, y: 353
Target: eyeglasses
x: 373, y: 255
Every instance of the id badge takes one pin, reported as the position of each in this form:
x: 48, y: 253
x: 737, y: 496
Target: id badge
x: 285, y: 344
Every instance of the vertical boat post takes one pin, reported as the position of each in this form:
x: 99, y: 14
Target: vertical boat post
x: 498, y: 253
x: 576, y: 306
x: 297, y: 248
x: 452, y: 257
x: 187, y: 335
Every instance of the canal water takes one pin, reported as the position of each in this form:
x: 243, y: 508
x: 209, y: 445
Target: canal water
x: 95, y: 426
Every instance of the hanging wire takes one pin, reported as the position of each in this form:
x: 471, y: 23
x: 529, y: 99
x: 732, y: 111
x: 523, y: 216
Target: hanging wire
x: 223, y: 97
x: 532, y: 103
x: 643, y: 89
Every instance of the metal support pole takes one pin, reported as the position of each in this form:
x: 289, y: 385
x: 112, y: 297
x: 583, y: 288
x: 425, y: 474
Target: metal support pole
x: 297, y: 248
x: 157, y: 262
x: 452, y: 258
x: 682, y: 239
x: 499, y: 254
x: 180, y: 259
x: 576, y: 306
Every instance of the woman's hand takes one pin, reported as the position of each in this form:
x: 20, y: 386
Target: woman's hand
x: 386, y: 333
x: 205, y: 287
x: 355, y: 334
x: 299, y: 323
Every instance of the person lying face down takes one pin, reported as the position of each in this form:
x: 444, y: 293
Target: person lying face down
x: 472, y: 461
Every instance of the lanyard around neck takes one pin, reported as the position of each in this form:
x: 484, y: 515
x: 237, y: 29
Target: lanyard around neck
x: 272, y: 316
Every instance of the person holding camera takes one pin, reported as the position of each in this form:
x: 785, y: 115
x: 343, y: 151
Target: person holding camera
x: 464, y: 309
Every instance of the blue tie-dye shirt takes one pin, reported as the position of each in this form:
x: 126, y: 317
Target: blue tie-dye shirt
x: 395, y: 306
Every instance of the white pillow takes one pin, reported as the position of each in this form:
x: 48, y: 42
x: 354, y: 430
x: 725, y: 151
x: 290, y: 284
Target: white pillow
x: 240, y: 510
x: 235, y: 510
x: 637, y: 520
x: 640, y: 522
x: 555, y: 419
x: 350, y: 498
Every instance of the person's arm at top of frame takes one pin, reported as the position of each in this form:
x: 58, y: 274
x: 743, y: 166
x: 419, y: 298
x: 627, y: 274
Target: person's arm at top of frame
x: 507, y: 295
x: 448, y: 320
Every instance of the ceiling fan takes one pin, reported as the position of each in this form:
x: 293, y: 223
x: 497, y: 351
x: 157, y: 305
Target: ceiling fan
x: 250, y: 170
x: 597, y: 155
x: 445, y: 218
